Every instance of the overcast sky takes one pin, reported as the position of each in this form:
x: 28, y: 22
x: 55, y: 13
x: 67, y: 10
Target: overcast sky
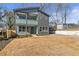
x: 74, y: 11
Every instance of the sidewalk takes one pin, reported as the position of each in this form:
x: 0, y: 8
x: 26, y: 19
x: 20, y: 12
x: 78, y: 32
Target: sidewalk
x: 67, y: 32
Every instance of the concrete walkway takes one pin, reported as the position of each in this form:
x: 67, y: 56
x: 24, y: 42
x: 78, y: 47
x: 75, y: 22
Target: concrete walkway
x: 3, y: 43
x: 67, y: 32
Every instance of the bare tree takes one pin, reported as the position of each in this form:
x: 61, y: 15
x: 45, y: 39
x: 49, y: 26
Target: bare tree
x: 61, y: 13
x: 57, y: 13
x: 10, y: 19
x: 44, y: 6
x: 64, y: 11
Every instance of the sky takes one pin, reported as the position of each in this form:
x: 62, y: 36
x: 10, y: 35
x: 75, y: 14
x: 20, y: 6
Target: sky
x: 73, y: 17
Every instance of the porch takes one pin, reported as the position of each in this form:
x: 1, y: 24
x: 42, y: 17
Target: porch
x: 25, y: 30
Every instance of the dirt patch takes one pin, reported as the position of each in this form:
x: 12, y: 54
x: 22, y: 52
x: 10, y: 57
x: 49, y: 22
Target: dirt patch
x: 43, y: 45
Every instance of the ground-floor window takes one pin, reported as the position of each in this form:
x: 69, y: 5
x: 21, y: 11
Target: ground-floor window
x: 43, y: 28
x: 22, y: 28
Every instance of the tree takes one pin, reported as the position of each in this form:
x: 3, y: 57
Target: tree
x: 10, y: 19
x: 44, y: 6
x: 63, y: 9
x: 61, y: 13
x: 10, y: 23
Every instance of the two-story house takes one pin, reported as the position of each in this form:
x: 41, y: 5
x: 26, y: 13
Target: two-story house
x: 31, y: 21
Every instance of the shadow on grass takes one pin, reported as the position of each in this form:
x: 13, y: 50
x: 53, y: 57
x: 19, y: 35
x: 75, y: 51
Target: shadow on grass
x: 4, y: 42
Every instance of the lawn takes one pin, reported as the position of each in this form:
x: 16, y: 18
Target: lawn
x: 43, y: 46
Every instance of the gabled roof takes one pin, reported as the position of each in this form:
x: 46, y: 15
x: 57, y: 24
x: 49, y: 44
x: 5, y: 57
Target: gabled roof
x: 30, y: 9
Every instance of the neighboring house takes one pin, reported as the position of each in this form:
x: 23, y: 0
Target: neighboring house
x: 2, y: 19
x: 31, y: 21
x: 3, y: 26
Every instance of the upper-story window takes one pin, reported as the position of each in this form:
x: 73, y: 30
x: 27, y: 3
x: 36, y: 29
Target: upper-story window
x: 21, y: 16
x: 32, y: 16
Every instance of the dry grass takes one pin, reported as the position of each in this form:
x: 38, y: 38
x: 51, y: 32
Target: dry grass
x: 43, y: 45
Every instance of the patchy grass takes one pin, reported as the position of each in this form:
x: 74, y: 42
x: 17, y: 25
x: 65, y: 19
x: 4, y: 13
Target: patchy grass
x: 43, y: 45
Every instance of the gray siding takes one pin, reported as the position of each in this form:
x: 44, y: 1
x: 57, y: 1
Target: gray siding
x: 43, y: 21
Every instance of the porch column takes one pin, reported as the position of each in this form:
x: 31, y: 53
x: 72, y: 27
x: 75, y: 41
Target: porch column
x: 30, y: 30
x: 26, y: 30
x: 37, y: 30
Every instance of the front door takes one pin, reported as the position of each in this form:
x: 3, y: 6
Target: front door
x: 33, y: 30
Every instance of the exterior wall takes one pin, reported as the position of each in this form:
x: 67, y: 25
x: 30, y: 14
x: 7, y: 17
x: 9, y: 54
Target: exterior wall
x: 18, y: 23
x: 29, y: 22
x: 43, y: 21
x: 32, y: 22
x: 25, y: 22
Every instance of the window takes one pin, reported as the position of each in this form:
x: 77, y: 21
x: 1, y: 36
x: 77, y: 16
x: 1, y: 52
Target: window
x: 22, y: 28
x: 33, y: 17
x: 43, y: 28
x: 40, y: 28
x: 22, y: 16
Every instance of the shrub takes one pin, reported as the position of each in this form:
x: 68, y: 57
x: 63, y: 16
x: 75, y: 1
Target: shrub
x: 1, y: 38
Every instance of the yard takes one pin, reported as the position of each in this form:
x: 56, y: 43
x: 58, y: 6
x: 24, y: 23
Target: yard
x: 43, y: 45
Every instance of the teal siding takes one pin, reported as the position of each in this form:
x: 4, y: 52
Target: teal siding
x: 32, y: 22
x: 20, y: 21
x: 28, y: 22
x: 25, y: 22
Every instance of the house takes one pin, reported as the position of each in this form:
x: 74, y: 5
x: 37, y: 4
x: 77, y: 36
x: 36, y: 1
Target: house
x: 31, y: 21
x: 3, y: 26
